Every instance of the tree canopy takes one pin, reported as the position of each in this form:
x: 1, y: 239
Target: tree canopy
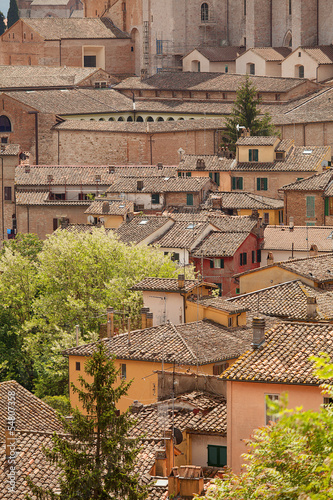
x: 46, y: 288
x: 2, y: 23
x: 96, y: 456
x: 246, y: 113
x: 288, y: 460
x: 13, y: 14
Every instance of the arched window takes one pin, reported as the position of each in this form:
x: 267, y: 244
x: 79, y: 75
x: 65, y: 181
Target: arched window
x: 111, y: 119
x: 204, y: 12
x: 120, y: 119
x: 171, y: 119
x: 129, y: 119
x: 301, y: 71
x: 139, y: 119
x: 160, y: 119
x: 150, y: 119
x: 288, y: 39
x: 250, y: 69
x: 101, y: 120
x: 5, y: 125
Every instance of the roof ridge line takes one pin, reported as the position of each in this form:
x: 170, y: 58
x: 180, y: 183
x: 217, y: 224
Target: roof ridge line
x: 183, y: 340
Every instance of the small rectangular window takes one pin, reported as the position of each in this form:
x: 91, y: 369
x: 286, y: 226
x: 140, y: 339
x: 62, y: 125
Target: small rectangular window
x: 244, y: 7
x: 259, y: 256
x: 8, y: 193
x: 217, y: 456
x: 253, y: 154
x: 159, y: 47
x: 188, y: 174
x: 310, y: 206
x: 253, y: 257
x: 123, y: 371
x: 262, y: 184
x: 189, y: 199
x: 266, y: 217
x: 236, y: 183
x: 252, y: 69
x: 175, y: 257
x: 89, y: 61
x: 218, y: 263
x: 243, y: 259
x: 77, y: 366
x: 155, y: 198
x: 271, y: 418
x: 230, y: 322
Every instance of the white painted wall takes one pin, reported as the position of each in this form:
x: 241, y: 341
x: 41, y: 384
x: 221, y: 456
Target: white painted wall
x: 183, y: 254
x: 164, y: 306
x: 288, y: 66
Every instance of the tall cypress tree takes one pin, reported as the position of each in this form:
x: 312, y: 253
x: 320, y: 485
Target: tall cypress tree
x: 13, y: 14
x: 246, y: 113
x: 2, y: 23
x: 97, y: 455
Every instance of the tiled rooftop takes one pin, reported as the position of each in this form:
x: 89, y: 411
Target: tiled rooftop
x: 317, y: 182
x: 221, y: 304
x: 211, y: 416
x: 212, y: 163
x: 140, y: 228
x: 45, y: 76
x: 181, y: 235
x: 58, y: 175
x: 302, y: 237
x: 74, y: 101
x: 201, y: 343
x: 287, y: 301
x: 272, y: 53
x: 311, y: 109
x: 209, y: 82
x: 32, y: 414
x: 323, y: 54
x: 318, y: 269
x: 102, y: 207
x: 167, y: 285
x: 159, y: 185
x: 257, y: 141
x: 284, y: 357
x: 56, y: 28
x: 218, y: 244
x: 242, y: 200
x: 42, y: 198
x: 221, y: 54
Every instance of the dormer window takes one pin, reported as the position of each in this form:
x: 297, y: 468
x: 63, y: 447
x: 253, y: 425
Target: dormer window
x: 253, y: 154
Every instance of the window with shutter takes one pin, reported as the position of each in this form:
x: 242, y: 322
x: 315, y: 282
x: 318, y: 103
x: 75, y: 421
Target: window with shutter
x: 211, y: 264
x: 310, y: 206
x: 217, y: 456
x: 211, y: 175
x: 217, y: 178
x: 244, y: 259
x: 327, y: 206
x: 240, y: 259
x: 189, y: 199
x: 253, y: 257
x: 259, y: 256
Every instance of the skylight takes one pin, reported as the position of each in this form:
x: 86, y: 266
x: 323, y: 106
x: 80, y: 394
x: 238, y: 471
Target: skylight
x: 307, y: 151
x: 191, y: 225
x: 143, y: 222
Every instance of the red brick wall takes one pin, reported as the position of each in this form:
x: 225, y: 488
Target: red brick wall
x: 295, y: 206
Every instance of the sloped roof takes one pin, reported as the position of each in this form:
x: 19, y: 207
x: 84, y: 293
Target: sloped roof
x: 317, y: 182
x: 313, y: 108
x: 287, y: 300
x: 220, y: 303
x: 272, y: 54
x: 181, y: 235
x: 210, y: 417
x: 159, y: 185
x: 209, y: 82
x: 31, y: 413
x: 257, y: 140
x: 220, y: 54
x: 302, y: 237
x: 140, y: 227
x: 168, y: 285
x: 97, y: 207
x: 218, y: 244
x: 201, y: 342
x: 73, y: 175
x: 57, y: 28
x: 212, y: 162
x: 42, y: 198
x: 284, y: 357
x: 244, y: 200
x: 323, y: 54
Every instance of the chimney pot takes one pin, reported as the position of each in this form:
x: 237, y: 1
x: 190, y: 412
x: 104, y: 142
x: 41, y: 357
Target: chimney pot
x: 160, y: 166
x: 181, y: 280
x: 150, y: 319
x: 258, y: 331
x: 311, y: 307
x: 270, y: 259
x: 144, y: 311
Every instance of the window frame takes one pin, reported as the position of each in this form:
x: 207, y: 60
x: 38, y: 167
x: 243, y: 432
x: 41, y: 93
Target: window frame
x: 271, y: 418
x: 204, y: 12
x: 254, y: 155
x: 262, y: 184
x: 221, y: 454
x: 123, y: 371
x: 189, y: 199
x: 237, y: 184
x: 7, y: 193
x: 310, y: 206
x: 155, y: 198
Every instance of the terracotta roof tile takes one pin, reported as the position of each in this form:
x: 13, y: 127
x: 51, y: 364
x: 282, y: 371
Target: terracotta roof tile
x: 211, y: 163
x: 160, y: 185
x: 257, y: 141
x: 200, y: 343
x: 58, y: 175
x: 323, y: 54
x: 218, y: 244
x: 220, y: 54
x: 317, y: 182
x: 302, y: 237
x: 284, y: 357
x: 220, y: 303
x: 168, y: 285
x: 242, y: 200
x: 272, y: 53
x: 140, y: 228
x: 42, y: 198
x: 98, y: 207
x: 181, y: 235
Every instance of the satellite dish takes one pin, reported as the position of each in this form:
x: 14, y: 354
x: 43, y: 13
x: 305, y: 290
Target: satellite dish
x: 91, y: 219
x: 177, y: 435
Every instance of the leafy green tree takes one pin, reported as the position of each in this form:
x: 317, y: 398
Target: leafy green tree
x: 246, y: 113
x: 97, y: 456
x: 26, y: 244
x: 289, y: 460
x: 2, y: 23
x: 13, y: 14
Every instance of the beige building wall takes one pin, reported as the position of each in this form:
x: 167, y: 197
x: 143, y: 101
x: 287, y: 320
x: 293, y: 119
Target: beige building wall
x: 266, y: 154
x: 267, y: 277
x: 165, y: 306
x: 290, y: 66
x: 190, y: 63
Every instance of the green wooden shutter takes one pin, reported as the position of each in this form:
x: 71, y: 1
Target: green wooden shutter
x: 255, y: 155
x: 265, y: 184
x: 217, y: 178
x: 240, y: 182
x: 211, y: 175
x: 189, y: 199
x: 212, y: 456
x: 327, y: 205
x: 258, y: 183
x: 211, y: 264
x: 233, y: 182
x: 250, y: 154
x: 310, y: 206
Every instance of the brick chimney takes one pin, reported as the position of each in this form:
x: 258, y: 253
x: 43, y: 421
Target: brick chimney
x: 311, y: 307
x: 186, y: 481
x: 150, y: 319
x: 270, y: 259
x: 181, y: 281
x: 313, y: 250
x: 144, y: 311
x: 258, y: 331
